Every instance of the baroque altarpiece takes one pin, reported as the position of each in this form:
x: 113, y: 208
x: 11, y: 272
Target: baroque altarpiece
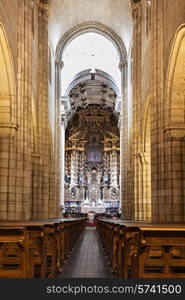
x: 92, y: 156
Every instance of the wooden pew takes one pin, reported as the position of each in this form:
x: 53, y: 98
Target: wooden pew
x: 37, y: 248
x: 109, y: 237
x: 14, y: 253
x: 137, y: 249
x: 127, y: 248
x: 160, y: 253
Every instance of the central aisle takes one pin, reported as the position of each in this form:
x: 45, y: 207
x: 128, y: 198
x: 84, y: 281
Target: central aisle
x: 87, y: 259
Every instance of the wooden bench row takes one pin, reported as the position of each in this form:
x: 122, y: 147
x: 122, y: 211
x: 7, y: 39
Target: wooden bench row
x: 144, y: 250
x: 37, y: 248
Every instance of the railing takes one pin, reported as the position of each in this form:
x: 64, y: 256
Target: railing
x: 143, y: 249
x: 37, y: 248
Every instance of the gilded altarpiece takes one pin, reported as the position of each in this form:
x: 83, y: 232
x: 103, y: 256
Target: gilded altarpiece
x: 92, y: 161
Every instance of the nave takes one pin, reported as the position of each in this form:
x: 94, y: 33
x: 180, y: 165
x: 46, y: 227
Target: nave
x: 92, y: 123
x: 88, y: 258
x: 69, y: 248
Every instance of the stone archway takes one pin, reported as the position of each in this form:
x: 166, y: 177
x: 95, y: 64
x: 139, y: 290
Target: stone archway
x: 91, y: 27
x: 119, y: 45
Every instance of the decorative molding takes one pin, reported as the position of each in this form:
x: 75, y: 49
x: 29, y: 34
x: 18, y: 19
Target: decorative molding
x: 44, y: 6
x: 174, y: 131
x: 59, y: 64
x: 136, y: 9
x: 35, y: 155
x: 9, y: 125
x: 122, y: 65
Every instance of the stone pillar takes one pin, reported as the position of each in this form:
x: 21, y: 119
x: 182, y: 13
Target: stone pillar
x: 8, y: 129
x: 146, y: 185
x: 174, y: 208
x: 21, y: 209
x: 167, y: 139
x: 45, y: 204
x: 57, y: 139
x: 137, y: 194
x: 156, y: 106
x: 125, y: 205
x: 63, y: 128
x: 8, y: 170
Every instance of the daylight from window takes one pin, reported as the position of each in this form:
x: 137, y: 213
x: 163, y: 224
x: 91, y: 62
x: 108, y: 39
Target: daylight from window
x: 90, y: 51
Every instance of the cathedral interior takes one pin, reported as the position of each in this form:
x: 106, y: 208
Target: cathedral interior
x: 92, y: 138
x: 92, y: 147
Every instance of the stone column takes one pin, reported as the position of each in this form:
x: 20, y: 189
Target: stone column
x: 167, y: 139
x: 21, y: 209
x: 125, y: 205
x: 146, y: 185
x: 156, y: 106
x: 45, y: 203
x: 174, y: 208
x: 63, y: 128
x: 57, y: 139
x: 7, y: 170
x: 137, y: 207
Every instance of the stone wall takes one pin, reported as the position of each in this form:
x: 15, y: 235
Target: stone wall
x: 26, y: 142
x: 152, y: 149
x: 156, y: 169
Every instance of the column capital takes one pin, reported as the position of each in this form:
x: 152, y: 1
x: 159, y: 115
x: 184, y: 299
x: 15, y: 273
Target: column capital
x: 122, y: 65
x: 59, y: 64
x: 6, y: 129
x: 136, y: 5
x: 44, y: 6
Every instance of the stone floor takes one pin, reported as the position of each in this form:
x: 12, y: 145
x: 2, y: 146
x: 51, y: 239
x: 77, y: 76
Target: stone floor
x: 87, y: 259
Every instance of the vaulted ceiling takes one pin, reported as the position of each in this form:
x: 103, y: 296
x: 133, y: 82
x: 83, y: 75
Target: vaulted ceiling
x: 65, y: 14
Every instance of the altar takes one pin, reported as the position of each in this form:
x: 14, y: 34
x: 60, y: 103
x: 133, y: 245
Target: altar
x: 96, y: 209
